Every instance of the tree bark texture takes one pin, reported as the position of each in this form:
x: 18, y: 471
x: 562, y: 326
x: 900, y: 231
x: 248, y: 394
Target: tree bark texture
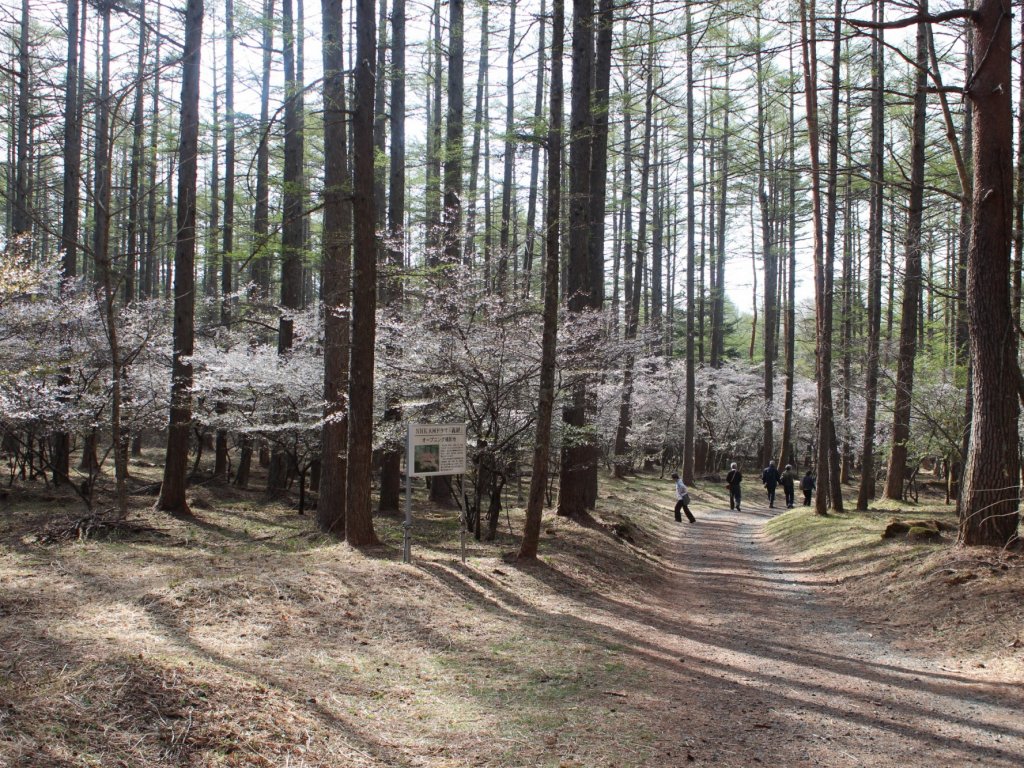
x: 149, y: 278
x: 546, y: 395
x: 337, y: 255
x: 690, y: 416
x: 103, y: 259
x: 599, y: 152
x: 261, y: 213
x: 358, y: 513
x: 21, y: 221
x: 505, y: 244
x: 69, y: 216
x: 172, y: 490
x: 828, y: 449
x: 991, y: 488
x: 579, y: 456
x: 911, y: 284
x: 770, y: 257
x: 391, y: 460
x: 454, y: 134
x: 876, y: 204
x: 291, y: 206
x: 538, y: 116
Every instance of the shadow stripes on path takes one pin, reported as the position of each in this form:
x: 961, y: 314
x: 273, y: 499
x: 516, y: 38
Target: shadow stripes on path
x: 778, y: 675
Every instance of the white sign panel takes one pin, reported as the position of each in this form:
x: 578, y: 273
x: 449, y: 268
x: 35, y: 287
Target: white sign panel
x: 436, y: 449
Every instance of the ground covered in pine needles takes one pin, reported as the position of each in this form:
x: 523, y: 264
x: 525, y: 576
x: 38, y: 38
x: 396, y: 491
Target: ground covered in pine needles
x: 245, y: 638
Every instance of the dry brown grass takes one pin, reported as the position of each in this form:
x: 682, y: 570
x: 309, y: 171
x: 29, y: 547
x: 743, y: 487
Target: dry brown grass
x: 963, y: 602
x: 245, y: 638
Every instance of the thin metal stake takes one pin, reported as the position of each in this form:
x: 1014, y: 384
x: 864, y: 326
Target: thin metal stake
x: 407, y: 525
x: 462, y: 531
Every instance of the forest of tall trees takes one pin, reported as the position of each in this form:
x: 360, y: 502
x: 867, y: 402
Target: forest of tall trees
x: 609, y: 236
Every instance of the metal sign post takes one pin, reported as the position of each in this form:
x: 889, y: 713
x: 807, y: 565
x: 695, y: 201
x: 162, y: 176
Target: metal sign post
x: 432, y: 450
x: 407, y: 525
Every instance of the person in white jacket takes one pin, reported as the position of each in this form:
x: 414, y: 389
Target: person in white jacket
x: 682, y: 500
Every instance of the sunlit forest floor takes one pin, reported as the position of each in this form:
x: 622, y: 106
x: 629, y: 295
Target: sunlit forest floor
x: 244, y: 637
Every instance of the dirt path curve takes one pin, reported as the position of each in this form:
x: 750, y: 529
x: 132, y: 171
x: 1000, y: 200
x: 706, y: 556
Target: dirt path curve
x: 772, y: 674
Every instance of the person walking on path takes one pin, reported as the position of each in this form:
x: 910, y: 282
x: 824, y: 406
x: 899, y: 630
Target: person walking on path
x: 682, y: 500
x: 807, y: 486
x: 732, y: 480
x: 770, y: 479
x: 788, y: 481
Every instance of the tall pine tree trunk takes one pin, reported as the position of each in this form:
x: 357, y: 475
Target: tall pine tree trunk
x: 454, y: 134
x: 538, y: 107
x: 358, y: 511
x: 828, y: 450
x: 718, y: 298
x: 786, y: 454
x: 21, y: 219
x: 629, y: 327
x: 963, y: 352
x: 390, y: 471
x: 69, y: 218
x: 579, y: 459
x: 1018, y: 203
x: 633, y: 309
x: 172, y: 490
x: 261, y: 213
x: 991, y: 488
x: 599, y: 152
x: 478, y: 127
x: 770, y: 257
x: 690, y: 420
x: 440, y: 488
x: 504, y: 241
x: 911, y: 281
x: 150, y: 280
x: 102, y: 257
x: 546, y: 395
x: 432, y: 190
x: 876, y: 212
x: 291, y: 196
x: 809, y: 60
x: 220, y: 468
x: 337, y: 236
x: 291, y: 225
x: 135, y: 169
x: 846, y: 313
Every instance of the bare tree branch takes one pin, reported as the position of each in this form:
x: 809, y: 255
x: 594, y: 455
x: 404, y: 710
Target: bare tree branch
x: 930, y: 18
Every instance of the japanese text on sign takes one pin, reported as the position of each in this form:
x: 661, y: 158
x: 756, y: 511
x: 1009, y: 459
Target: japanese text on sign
x: 436, y: 449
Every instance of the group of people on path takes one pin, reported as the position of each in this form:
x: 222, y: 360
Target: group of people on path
x: 771, y: 478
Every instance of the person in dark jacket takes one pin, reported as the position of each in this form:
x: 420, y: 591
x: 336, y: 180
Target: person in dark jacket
x: 807, y: 486
x: 733, y: 480
x: 788, y: 481
x: 770, y: 480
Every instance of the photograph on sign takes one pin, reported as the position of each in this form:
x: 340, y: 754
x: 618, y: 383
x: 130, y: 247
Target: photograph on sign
x: 425, y: 458
x: 436, y: 449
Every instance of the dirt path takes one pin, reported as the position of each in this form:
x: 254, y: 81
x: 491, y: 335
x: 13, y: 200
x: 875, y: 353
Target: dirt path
x: 768, y: 672
x: 230, y: 641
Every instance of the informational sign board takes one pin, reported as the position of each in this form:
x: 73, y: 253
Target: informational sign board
x: 436, y: 449
x: 432, y: 449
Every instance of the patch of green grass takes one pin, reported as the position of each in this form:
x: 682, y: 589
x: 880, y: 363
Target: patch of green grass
x: 851, y: 542
x: 811, y: 534
x: 856, y: 537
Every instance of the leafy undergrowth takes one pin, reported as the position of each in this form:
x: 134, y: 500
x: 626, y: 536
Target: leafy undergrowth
x: 244, y: 637
x: 965, y: 602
